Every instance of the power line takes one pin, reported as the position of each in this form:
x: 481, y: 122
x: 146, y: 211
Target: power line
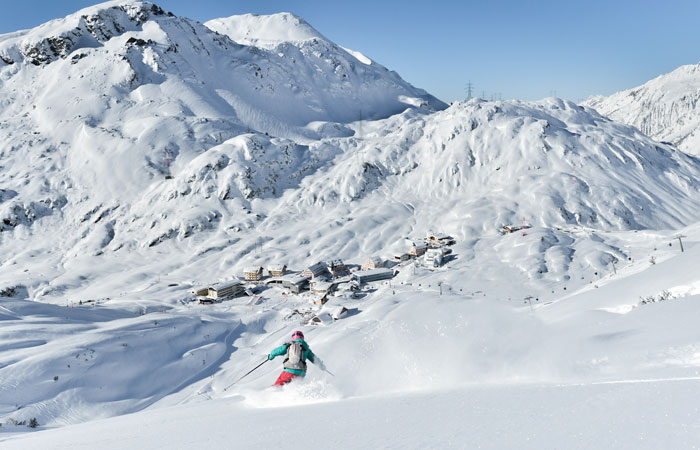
x: 469, y: 88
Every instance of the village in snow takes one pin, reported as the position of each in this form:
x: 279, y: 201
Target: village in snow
x: 328, y: 281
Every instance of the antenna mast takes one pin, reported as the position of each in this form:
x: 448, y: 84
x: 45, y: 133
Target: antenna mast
x: 469, y: 88
x: 168, y: 158
x: 360, y: 153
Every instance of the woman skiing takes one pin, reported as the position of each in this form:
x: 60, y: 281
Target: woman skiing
x: 297, y: 352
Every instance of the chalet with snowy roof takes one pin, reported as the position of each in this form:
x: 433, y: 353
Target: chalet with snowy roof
x: 253, y: 273
x: 321, y: 286
x: 338, y: 268
x: 320, y: 299
x: 350, y: 285
x: 316, y: 270
x: 201, y: 292
x: 402, y: 257
x: 336, y: 311
x: 373, y: 262
x: 225, y: 290
x: 322, y: 318
x: 367, y: 276
x: 330, y: 312
x: 277, y: 270
x: 348, y: 295
x: 418, y: 249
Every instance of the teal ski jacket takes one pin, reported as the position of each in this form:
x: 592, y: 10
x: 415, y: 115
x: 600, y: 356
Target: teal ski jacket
x: 308, y: 354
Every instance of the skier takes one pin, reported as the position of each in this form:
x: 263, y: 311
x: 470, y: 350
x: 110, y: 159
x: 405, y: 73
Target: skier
x: 297, y: 353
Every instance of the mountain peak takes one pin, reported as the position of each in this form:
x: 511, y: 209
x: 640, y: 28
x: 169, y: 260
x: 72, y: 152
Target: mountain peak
x: 86, y: 28
x: 664, y: 108
x: 265, y: 31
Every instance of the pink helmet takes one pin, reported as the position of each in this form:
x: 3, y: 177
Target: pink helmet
x: 297, y: 335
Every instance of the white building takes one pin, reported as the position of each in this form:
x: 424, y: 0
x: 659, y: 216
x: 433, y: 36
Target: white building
x: 316, y: 270
x: 295, y: 283
x: 228, y: 289
x: 433, y: 258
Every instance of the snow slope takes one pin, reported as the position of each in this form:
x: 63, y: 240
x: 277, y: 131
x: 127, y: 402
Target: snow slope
x: 625, y: 416
x: 665, y: 108
x: 144, y: 155
x: 467, y: 171
x: 373, y: 89
x: 267, y: 31
x: 549, y: 161
x: 413, y: 369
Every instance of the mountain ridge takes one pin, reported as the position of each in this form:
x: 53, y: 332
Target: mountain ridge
x: 665, y: 108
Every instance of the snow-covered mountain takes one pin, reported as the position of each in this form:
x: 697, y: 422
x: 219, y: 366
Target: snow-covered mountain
x: 262, y: 88
x: 128, y: 136
x: 293, y: 39
x: 99, y: 107
x: 550, y: 161
x: 144, y: 155
x: 665, y: 108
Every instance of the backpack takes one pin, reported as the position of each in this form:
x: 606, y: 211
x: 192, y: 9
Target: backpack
x: 295, y: 356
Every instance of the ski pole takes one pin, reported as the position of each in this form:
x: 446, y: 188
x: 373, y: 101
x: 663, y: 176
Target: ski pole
x: 329, y: 372
x: 254, y: 368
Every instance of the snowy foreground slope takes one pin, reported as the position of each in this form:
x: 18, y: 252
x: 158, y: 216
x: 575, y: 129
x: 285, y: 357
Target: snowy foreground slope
x: 501, y: 417
x: 145, y: 155
x: 665, y: 108
x: 416, y: 369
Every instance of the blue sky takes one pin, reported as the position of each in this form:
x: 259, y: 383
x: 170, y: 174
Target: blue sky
x: 506, y: 48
